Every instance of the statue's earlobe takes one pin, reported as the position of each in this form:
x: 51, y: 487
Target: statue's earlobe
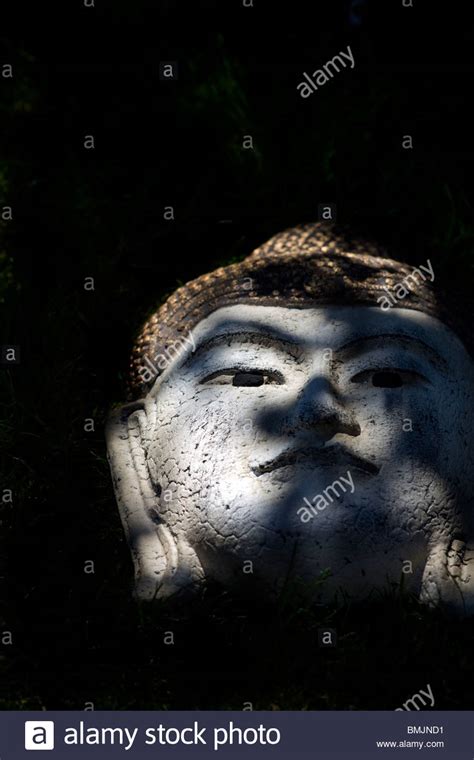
x: 165, y: 564
x: 448, y: 578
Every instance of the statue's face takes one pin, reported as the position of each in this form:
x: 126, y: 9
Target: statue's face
x: 291, y: 441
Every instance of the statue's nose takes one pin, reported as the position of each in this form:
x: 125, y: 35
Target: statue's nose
x: 319, y: 409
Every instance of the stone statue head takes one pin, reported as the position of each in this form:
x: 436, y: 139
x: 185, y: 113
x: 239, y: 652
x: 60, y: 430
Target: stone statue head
x: 309, y: 409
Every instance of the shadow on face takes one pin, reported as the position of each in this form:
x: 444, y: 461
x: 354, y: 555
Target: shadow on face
x: 291, y: 441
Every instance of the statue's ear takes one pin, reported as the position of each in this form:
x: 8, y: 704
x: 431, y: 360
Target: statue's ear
x: 165, y: 564
x: 448, y: 578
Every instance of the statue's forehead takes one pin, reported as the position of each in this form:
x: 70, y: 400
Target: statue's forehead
x: 327, y: 326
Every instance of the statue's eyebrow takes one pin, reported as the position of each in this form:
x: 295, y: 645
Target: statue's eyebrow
x: 357, y: 345
x: 266, y: 338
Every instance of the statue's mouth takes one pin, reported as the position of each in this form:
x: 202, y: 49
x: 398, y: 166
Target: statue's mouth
x: 328, y: 456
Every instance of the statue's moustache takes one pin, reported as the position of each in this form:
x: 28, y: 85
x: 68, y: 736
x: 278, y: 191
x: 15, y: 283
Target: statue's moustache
x: 324, y: 455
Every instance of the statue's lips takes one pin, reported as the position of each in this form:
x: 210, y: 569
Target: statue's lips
x: 326, y: 456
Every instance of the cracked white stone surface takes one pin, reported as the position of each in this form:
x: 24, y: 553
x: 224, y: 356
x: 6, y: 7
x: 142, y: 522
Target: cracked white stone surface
x: 273, y: 406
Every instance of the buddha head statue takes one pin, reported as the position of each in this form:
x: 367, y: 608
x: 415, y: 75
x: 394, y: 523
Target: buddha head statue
x: 305, y: 413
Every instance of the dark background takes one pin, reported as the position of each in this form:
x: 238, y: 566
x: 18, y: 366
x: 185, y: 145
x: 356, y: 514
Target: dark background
x: 98, y: 213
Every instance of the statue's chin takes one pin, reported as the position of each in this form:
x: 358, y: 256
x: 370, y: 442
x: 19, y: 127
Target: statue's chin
x: 445, y: 580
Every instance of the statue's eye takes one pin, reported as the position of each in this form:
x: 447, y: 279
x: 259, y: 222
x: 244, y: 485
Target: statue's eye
x: 244, y: 378
x: 387, y: 378
x: 248, y: 379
